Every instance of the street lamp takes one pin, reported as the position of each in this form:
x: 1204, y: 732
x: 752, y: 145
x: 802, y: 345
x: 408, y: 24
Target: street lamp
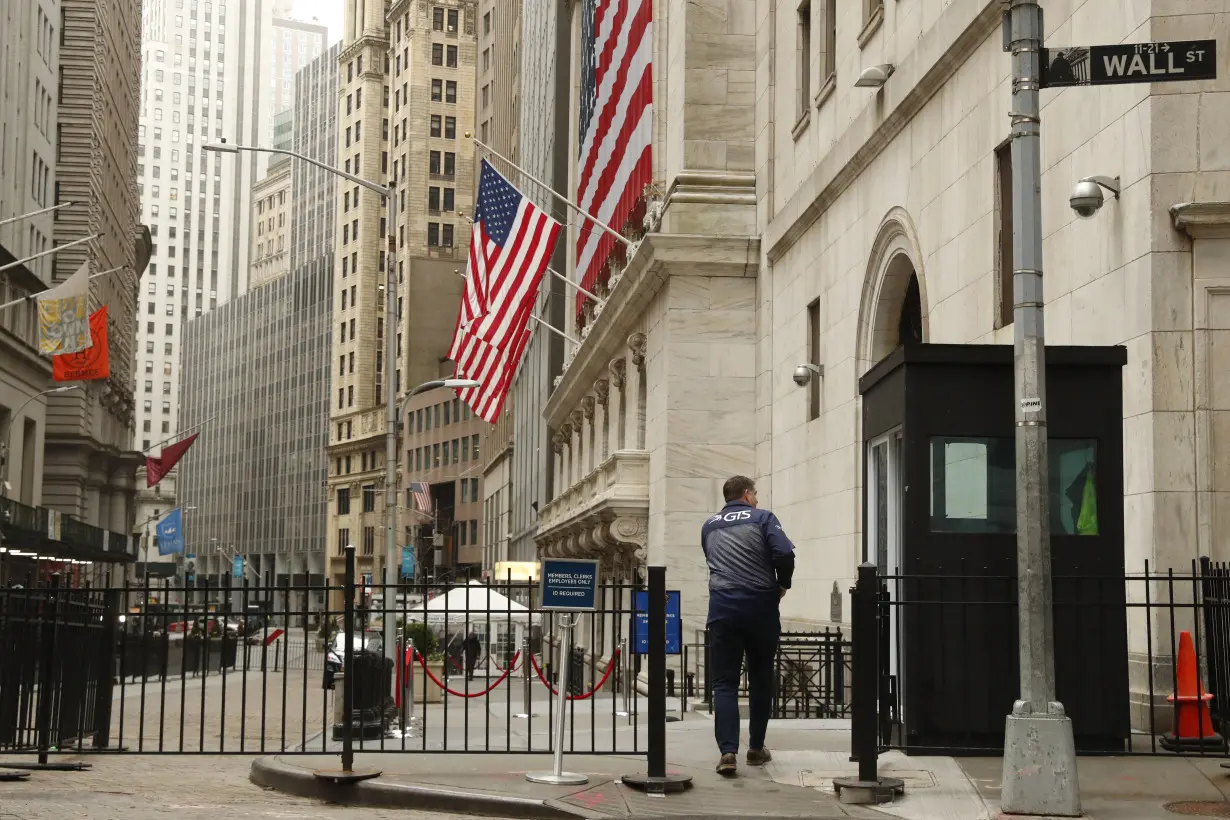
x: 6, y: 431
x: 393, y: 447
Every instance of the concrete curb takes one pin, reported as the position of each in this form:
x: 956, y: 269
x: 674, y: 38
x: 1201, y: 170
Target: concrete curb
x: 269, y: 772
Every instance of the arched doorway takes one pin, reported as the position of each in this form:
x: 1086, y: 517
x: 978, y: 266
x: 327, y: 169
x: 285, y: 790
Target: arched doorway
x: 893, y: 310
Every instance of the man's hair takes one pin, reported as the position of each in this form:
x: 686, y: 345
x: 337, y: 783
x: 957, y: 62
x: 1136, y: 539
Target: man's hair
x: 736, y: 486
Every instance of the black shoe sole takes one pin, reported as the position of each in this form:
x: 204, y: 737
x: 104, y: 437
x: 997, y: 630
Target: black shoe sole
x: 731, y: 772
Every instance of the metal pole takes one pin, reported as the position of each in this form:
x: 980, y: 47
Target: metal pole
x: 527, y: 708
x: 657, y: 678
x: 348, y: 662
x: 557, y: 776
x: 392, y: 437
x: 1039, y: 753
x: 407, y: 679
x: 625, y: 680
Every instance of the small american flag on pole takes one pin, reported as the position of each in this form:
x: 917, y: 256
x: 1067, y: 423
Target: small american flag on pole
x: 421, y: 492
x: 510, y: 247
x: 616, y: 124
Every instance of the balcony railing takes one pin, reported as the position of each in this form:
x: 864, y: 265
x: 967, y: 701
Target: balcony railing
x: 33, y: 525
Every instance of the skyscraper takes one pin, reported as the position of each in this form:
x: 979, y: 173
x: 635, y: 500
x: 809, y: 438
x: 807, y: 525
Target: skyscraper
x: 314, y: 134
x: 405, y: 104
x: 204, y: 79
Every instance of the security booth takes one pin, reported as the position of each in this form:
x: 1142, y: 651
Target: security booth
x: 940, y: 522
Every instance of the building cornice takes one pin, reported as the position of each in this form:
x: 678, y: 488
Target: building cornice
x: 1202, y: 220
x: 960, y: 30
x: 658, y: 256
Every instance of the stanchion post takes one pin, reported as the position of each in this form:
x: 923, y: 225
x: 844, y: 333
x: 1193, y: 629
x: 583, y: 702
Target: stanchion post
x: 46, y: 685
x: 405, y: 662
x: 624, y: 677
x: 867, y: 786
x: 527, y: 706
x: 557, y: 776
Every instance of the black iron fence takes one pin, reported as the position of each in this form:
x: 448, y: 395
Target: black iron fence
x: 1142, y: 660
x: 205, y: 671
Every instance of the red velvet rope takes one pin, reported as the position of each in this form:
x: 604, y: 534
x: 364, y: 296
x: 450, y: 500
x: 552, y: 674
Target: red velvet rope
x: 610, y: 667
x: 511, y: 668
x: 455, y: 693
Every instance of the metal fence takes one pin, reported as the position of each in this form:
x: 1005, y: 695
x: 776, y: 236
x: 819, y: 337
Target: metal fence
x: 1142, y: 660
x: 256, y: 669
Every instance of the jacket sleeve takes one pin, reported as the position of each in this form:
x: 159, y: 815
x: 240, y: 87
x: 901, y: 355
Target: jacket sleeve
x: 781, y: 550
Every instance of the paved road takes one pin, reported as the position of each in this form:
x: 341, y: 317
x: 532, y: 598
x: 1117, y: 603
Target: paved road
x: 148, y: 788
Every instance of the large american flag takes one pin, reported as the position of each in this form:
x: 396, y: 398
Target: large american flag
x: 510, y: 247
x: 616, y: 124
x: 421, y: 492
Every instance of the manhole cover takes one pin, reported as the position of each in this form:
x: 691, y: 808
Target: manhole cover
x: 1199, y: 808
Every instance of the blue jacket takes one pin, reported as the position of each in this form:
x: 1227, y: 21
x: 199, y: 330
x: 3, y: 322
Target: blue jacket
x: 749, y: 558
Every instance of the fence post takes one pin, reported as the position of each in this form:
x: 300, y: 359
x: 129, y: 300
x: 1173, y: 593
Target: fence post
x: 46, y: 684
x: 867, y: 786
x: 106, y: 678
x: 527, y: 706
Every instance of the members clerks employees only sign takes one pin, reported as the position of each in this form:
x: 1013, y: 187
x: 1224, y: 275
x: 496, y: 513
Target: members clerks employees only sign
x: 1129, y: 63
x: 569, y: 585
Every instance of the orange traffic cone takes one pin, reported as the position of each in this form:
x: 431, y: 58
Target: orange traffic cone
x: 1193, y: 726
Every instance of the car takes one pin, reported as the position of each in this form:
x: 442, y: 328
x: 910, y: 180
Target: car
x: 370, y: 641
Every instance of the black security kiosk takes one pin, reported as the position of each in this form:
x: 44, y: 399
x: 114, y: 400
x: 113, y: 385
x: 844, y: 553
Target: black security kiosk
x: 940, y: 522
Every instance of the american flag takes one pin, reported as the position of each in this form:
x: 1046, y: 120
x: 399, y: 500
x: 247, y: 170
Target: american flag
x: 421, y: 492
x: 616, y: 124
x: 510, y: 247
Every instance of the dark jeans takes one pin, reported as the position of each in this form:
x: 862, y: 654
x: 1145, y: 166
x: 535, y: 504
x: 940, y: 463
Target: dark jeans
x: 729, y: 642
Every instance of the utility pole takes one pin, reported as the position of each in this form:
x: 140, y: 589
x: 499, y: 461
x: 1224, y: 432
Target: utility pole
x: 392, y: 563
x: 1039, y: 774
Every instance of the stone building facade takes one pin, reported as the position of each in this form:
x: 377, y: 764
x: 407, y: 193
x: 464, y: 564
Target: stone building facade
x: 800, y: 216
x: 270, y: 234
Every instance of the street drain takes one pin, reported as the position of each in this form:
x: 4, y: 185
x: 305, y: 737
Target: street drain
x: 1199, y: 808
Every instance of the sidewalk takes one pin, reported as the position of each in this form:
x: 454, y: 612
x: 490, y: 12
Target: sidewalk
x: 808, y: 754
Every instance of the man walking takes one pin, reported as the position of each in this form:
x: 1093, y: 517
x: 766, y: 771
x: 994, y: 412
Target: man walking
x: 751, y: 562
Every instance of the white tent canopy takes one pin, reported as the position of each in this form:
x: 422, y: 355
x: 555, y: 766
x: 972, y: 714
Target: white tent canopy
x: 475, y: 602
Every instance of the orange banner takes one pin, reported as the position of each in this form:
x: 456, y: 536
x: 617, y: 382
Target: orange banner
x: 92, y: 363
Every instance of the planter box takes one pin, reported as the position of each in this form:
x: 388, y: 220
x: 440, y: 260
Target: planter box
x: 425, y: 689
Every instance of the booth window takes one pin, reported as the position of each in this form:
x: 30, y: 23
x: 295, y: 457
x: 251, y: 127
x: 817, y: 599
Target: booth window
x: 973, y: 485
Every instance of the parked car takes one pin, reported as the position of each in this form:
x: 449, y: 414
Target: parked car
x: 370, y: 641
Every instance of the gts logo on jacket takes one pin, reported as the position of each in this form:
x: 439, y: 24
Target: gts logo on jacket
x: 747, y: 552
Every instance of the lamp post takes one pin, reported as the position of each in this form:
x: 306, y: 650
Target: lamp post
x: 392, y: 448
x: 6, y: 431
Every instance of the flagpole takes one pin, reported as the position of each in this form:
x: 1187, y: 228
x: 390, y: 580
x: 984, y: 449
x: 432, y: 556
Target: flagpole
x: 34, y: 296
x: 50, y: 251
x: 177, y: 435
x: 554, y: 273
x: 620, y: 237
x: 32, y: 214
x: 555, y: 330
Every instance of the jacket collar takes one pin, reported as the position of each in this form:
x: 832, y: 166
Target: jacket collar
x: 737, y: 505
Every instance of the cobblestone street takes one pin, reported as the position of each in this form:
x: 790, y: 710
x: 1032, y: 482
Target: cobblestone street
x: 142, y: 788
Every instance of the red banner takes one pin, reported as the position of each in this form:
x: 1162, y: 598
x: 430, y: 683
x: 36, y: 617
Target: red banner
x: 156, y: 467
x: 92, y: 363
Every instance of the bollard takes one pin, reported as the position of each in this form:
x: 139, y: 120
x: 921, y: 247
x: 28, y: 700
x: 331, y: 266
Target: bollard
x: 348, y: 663
x: 656, y: 783
x: 407, y: 684
x: 527, y: 707
x: 867, y: 786
x: 624, y: 678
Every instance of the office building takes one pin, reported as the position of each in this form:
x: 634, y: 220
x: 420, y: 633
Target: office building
x: 314, y: 134
x: 294, y: 44
x: 406, y: 99
x: 258, y: 369
x: 205, y: 79
x: 270, y: 230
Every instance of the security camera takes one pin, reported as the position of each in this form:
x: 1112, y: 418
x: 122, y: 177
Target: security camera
x: 803, y: 373
x: 1086, y: 198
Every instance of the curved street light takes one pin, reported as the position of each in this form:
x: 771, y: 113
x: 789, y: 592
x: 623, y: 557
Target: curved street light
x: 6, y: 431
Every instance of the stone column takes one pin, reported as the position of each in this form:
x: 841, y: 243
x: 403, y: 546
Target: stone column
x: 618, y: 409
x: 589, y: 407
x: 557, y: 484
x: 636, y: 392
x: 569, y: 452
x: 578, y: 447
x: 602, y: 422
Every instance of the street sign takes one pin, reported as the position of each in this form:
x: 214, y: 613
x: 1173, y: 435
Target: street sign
x: 674, y: 626
x: 568, y: 585
x: 1129, y: 63
x: 407, y: 562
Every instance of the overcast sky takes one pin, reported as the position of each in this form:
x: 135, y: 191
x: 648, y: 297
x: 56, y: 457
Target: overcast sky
x: 328, y: 12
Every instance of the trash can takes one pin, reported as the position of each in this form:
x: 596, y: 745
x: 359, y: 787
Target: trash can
x: 372, y: 679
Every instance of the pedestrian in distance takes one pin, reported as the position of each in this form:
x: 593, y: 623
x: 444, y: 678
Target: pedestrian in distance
x: 751, y: 562
x: 473, y: 648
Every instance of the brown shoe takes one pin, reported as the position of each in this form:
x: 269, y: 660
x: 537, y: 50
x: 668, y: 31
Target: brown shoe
x: 728, y: 766
x: 758, y: 757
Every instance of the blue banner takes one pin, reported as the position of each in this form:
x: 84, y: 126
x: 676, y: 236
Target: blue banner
x: 407, y: 562
x: 674, y: 626
x: 170, y: 532
x: 237, y: 569
x: 569, y: 584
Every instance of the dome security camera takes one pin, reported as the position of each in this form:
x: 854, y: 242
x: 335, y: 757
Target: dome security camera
x: 1087, y: 198
x: 803, y: 373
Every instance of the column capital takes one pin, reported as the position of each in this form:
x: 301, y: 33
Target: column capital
x: 587, y: 407
x: 618, y: 368
x: 636, y: 343
x: 602, y: 391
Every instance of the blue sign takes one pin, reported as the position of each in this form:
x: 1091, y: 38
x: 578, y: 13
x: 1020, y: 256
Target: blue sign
x: 237, y: 569
x: 407, y: 562
x: 170, y: 532
x: 674, y: 626
x: 568, y: 584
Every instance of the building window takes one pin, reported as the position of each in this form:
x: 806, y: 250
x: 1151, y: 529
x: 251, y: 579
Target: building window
x: 452, y: 21
x: 1003, y: 232
x: 803, y: 61
x: 433, y: 234
x: 813, y: 356
x: 437, y: 19
x: 433, y: 163
x: 450, y: 91
x: 829, y: 57
x: 343, y: 500
x: 446, y: 236
x: 433, y: 200
x: 436, y: 121
x: 451, y: 62
x: 448, y: 199
x: 450, y: 128
x: 437, y: 91
x: 437, y: 53
x: 369, y: 493
x: 450, y: 163
x: 473, y: 530
x: 343, y: 539
x: 369, y: 540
